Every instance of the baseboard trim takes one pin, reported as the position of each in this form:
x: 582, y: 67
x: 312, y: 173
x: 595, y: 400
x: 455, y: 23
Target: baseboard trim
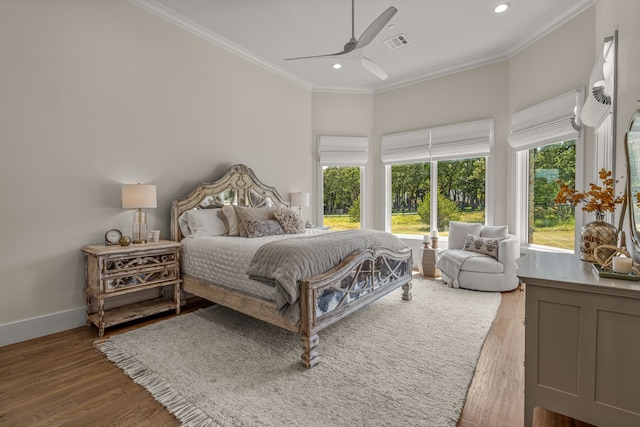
x: 35, y: 327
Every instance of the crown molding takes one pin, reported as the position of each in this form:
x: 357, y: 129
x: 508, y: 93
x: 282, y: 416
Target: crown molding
x: 170, y: 15
x: 441, y: 72
x: 552, y: 26
x: 456, y: 68
x: 207, y: 34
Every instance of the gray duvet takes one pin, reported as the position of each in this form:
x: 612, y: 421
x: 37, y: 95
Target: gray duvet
x: 284, y: 262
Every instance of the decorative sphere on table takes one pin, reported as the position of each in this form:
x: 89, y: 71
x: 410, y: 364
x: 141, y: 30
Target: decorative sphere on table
x: 125, y: 241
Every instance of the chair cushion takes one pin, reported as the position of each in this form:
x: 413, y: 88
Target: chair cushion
x: 458, y: 232
x: 495, y: 231
x: 482, y: 264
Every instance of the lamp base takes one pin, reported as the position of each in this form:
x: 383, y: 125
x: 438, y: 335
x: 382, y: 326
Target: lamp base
x: 139, y: 227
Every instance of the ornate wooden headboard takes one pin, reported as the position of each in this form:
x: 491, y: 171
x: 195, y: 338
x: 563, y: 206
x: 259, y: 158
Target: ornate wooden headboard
x: 239, y: 186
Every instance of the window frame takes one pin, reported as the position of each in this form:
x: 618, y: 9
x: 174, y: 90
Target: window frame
x: 321, y: 193
x: 551, y: 121
x: 341, y: 151
x: 521, y: 160
x: 489, y: 191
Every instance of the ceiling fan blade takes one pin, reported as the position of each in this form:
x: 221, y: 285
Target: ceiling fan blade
x: 318, y: 56
x: 373, y: 68
x: 376, y: 26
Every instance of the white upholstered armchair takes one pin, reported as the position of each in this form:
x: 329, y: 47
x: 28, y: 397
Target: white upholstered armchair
x: 480, y: 257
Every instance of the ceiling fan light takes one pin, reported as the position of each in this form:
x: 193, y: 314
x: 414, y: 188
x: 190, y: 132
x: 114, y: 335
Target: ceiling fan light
x: 501, y: 7
x: 337, y: 66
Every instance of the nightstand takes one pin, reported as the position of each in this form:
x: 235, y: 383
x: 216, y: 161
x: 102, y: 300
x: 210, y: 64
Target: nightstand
x: 118, y: 270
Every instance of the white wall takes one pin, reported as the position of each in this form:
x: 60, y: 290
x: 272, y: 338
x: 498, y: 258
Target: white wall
x: 100, y: 93
x: 622, y: 15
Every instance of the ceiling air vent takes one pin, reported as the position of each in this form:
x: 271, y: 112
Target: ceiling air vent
x: 397, y: 41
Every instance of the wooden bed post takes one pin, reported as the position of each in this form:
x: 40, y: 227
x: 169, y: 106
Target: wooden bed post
x: 310, y: 356
x: 406, y: 291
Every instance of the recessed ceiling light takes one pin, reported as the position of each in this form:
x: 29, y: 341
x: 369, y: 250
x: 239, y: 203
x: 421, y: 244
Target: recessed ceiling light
x: 336, y: 66
x: 501, y: 7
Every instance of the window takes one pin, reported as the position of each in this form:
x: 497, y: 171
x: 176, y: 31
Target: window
x: 341, y: 197
x: 341, y: 180
x: 550, y: 224
x: 448, y: 161
x: 459, y: 184
x: 410, y: 198
x: 462, y: 184
x: 548, y: 147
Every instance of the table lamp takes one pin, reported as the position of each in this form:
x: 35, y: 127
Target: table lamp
x: 138, y: 196
x: 301, y: 200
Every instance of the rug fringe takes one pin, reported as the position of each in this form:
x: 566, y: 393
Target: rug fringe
x: 188, y: 414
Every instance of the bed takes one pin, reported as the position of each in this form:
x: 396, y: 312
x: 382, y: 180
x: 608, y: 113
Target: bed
x: 225, y: 269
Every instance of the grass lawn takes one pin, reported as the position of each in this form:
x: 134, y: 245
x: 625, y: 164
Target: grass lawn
x: 410, y: 223
x: 552, y: 237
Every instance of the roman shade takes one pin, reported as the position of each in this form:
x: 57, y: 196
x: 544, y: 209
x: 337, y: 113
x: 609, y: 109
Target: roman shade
x: 598, y: 105
x: 343, y: 150
x: 456, y: 141
x: 551, y: 121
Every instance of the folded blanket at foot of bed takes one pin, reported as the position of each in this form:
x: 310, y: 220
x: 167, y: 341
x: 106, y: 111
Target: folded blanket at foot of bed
x: 284, y: 262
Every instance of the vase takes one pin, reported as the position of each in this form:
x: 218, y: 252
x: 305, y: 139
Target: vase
x: 594, y: 234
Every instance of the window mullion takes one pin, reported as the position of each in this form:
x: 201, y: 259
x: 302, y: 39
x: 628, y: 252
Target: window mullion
x: 433, y: 220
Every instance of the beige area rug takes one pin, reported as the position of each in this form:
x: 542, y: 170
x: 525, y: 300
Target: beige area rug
x: 393, y: 363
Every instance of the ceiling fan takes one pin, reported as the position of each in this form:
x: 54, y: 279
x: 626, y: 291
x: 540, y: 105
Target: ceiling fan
x: 353, y: 49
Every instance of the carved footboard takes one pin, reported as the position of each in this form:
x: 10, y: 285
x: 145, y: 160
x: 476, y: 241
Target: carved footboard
x: 360, y: 279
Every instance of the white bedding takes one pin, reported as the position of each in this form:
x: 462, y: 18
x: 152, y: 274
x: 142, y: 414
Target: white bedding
x: 224, y: 260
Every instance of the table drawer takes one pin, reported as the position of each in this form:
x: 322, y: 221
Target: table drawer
x: 127, y: 271
x: 139, y: 278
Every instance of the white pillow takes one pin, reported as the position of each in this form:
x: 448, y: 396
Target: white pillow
x: 183, y: 222
x: 494, y: 231
x: 458, y: 232
x: 201, y: 223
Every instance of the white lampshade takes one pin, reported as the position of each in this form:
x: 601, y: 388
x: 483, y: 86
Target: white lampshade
x: 138, y: 196
x: 300, y: 200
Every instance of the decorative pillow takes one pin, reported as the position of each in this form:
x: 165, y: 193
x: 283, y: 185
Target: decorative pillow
x: 458, y: 232
x: 245, y: 214
x: 495, y: 231
x: 289, y: 221
x: 269, y: 227
x: 228, y: 216
x: 201, y: 222
x: 482, y: 245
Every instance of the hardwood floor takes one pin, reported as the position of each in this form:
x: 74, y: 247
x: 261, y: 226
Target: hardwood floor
x: 496, y: 395
x: 62, y: 380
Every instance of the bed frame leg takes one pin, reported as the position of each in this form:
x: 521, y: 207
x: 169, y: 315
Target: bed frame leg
x: 406, y: 294
x: 310, y: 356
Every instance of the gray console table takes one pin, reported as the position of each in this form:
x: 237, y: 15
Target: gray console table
x: 582, y: 341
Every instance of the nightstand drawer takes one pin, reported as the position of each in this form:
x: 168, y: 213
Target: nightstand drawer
x: 128, y: 279
x: 119, y: 272
x: 118, y: 264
